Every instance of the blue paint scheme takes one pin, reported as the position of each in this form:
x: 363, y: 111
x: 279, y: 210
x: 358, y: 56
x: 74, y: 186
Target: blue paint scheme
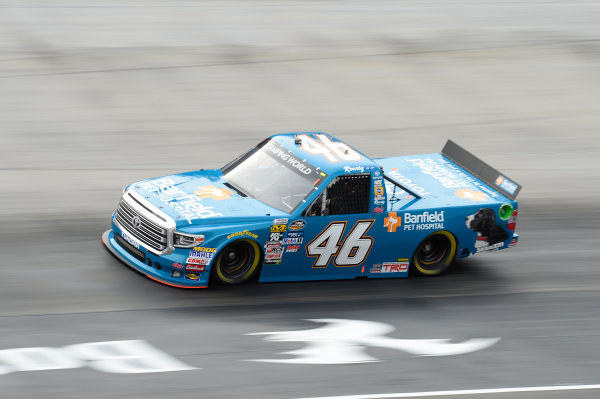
x: 432, y: 184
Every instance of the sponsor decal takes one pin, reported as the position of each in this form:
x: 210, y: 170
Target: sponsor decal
x: 288, y: 158
x: 213, y: 192
x: 377, y: 173
x: 439, y: 172
x: 187, y: 206
x: 274, y: 256
x: 297, y: 225
x: 513, y: 242
x: 279, y: 228
x: 424, y: 220
x: 376, y: 268
x: 242, y: 234
x: 406, y: 182
x: 198, y: 261
x: 274, y: 237
x: 292, y: 240
x: 395, y: 267
x: 280, y: 221
x: 470, y: 179
x: 201, y: 255
x: 130, y: 240
x: 378, y: 209
x: 292, y: 248
x: 272, y: 261
x: 378, y: 190
x: 392, y: 221
x: 274, y: 249
x: 194, y: 268
x: 352, y: 169
x: 378, y: 182
x: 295, y: 234
x: 192, y: 276
x: 492, y: 247
x: 270, y: 245
x: 176, y: 273
x: 379, y: 202
x: 477, y: 196
x: 177, y: 265
x: 205, y: 249
x: 506, y: 184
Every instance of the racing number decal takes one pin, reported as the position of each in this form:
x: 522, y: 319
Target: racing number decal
x: 333, y: 151
x: 351, y: 252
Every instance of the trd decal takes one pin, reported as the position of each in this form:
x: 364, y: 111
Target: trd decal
x: 351, y: 252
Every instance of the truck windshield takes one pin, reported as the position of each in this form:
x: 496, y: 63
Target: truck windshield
x: 273, y: 175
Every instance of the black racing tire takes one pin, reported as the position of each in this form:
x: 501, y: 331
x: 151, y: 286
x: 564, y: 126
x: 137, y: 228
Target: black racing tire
x: 435, y: 254
x: 237, y: 263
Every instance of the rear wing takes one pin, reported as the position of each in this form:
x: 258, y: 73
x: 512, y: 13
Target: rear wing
x: 481, y: 170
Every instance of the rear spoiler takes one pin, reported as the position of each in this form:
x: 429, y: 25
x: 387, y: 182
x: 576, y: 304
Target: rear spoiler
x: 481, y: 170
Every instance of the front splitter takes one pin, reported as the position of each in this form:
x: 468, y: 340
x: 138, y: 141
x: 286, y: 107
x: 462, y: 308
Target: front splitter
x: 110, y: 244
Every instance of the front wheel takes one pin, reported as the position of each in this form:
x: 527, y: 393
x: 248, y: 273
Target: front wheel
x: 435, y: 254
x: 237, y: 263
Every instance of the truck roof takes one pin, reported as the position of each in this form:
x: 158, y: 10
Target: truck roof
x: 325, y: 152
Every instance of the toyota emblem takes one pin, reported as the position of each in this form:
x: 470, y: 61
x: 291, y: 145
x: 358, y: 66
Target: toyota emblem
x: 137, y: 222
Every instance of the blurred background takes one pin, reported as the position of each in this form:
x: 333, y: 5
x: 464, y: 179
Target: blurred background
x: 97, y: 94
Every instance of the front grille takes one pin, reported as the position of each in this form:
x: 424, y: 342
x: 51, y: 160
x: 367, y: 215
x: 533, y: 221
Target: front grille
x: 150, y: 234
x: 136, y: 253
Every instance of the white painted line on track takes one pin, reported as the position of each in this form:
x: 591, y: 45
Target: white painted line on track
x: 461, y: 392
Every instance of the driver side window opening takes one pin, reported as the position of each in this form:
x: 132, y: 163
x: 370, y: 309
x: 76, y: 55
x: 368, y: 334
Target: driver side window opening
x: 345, y: 195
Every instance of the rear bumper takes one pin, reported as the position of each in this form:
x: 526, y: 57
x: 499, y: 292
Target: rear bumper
x: 164, y: 277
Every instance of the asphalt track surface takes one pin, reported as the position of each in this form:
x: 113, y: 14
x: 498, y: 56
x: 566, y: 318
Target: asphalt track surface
x: 95, y: 95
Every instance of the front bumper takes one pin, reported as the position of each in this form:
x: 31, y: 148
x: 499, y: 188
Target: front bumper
x: 162, y: 276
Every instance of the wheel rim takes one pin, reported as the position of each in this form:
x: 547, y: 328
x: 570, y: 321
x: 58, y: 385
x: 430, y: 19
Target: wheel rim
x: 435, y: 254
x: 236, y: 260
x: 237, y: 263
x: 433, y: 250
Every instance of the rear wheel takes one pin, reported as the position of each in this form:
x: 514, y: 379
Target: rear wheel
x: 237, y: 263
x: 435, y: 254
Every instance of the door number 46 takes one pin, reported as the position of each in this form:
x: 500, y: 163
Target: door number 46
x: 351, y: 251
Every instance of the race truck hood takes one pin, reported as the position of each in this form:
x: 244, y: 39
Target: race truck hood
x: 201, y: 197
x: 436, y: 178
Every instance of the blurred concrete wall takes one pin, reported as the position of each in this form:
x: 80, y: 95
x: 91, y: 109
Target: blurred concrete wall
x: 97, y: 94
